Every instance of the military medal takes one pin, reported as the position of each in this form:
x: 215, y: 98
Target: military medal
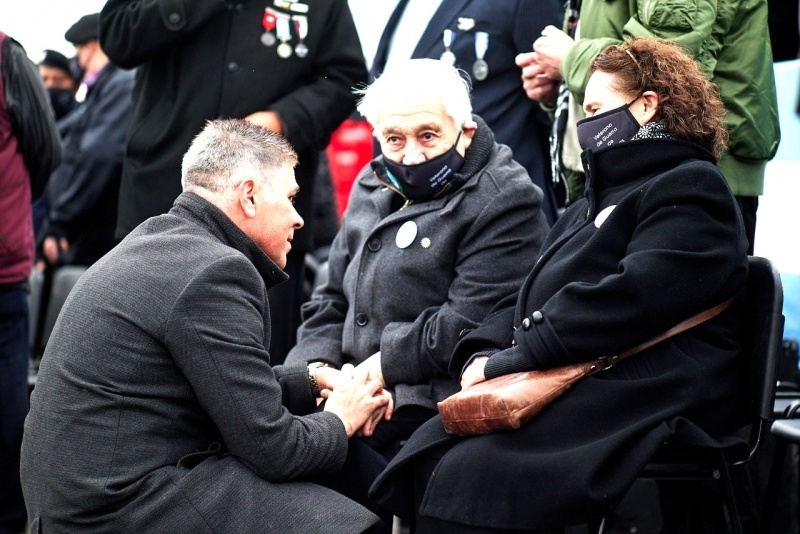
x: 480, y: 69
x: 284, y: 34
x: 448, y: 56
x: 465, y: 24
x: 301, y: 28
x: 268, y: 22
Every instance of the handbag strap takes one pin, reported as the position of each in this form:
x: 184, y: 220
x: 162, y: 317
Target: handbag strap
x: 608, y: 361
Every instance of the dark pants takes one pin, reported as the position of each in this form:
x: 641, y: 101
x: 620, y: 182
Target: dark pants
x: 13, y: 403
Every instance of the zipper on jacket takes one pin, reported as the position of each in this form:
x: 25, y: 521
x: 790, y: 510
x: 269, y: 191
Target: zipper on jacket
x: 391, y: 187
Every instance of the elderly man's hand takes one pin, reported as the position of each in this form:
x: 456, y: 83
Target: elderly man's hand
x: 356, y: 400
x: 473, y: 374
x: 535, y: 82
x: 372, y: 366
x: 551, y: 48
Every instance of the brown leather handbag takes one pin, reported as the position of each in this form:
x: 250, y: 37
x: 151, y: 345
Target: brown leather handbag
x: 508, y: 401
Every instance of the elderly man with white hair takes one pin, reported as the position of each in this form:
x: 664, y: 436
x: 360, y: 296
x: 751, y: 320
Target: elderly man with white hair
x: 439, y: 228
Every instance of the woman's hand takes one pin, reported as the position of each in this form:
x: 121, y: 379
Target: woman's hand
x: 473, y: 374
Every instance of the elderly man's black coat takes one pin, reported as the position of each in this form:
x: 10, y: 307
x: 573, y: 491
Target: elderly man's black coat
x: 657, y: 239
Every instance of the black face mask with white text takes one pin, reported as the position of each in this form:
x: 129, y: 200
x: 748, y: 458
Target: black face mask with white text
x: 609, y: 128
x: 428, y: 179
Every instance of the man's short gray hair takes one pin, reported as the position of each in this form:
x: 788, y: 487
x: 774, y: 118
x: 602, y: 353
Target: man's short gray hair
x: 418, y: 76
x: 226, y: 146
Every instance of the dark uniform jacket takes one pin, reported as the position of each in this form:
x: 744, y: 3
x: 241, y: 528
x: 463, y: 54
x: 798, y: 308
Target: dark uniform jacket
x: 204, y: 60
x: 470, y: 248
x: 84, y: 189
x: 657, y: 239
x: 156, y: 408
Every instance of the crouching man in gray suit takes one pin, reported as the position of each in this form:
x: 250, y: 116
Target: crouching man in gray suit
x: 156, y: 409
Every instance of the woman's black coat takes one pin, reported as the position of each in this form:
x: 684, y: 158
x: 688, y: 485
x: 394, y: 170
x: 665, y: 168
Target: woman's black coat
x: 657, y: 239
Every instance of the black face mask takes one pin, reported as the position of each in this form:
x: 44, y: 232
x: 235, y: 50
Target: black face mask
x: 62, y: 100
x: 426, y: 180
x: 609, y: 128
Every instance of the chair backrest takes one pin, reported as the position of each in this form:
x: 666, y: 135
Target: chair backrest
x: 764, y: 335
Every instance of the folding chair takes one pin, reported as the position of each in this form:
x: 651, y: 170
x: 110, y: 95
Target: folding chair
x: 762, y: 349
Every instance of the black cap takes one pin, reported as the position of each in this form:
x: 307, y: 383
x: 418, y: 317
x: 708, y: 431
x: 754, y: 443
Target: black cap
x: 56, y: 60
x: 86, y: 29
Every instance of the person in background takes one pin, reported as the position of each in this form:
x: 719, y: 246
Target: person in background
x: 657, y: 239
x: 482, y: 39
x: 156, y: 384
x: 728, y: 39
x: 439, y: 227
x: 29, y: 151
x: 83, y: 191
x: 287, y: 66
x: 57, y: 78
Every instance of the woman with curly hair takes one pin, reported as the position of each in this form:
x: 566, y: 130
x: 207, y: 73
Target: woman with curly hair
x: 657, y: 239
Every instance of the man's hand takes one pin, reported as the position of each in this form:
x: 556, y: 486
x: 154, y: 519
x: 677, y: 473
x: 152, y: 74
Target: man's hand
x: 356, y: 399
x: 551, y: 48
x: 534, y: 81
x: 372, y: 366
x: 473, y: 374
x: 266, y: 119
x: 53, y: 248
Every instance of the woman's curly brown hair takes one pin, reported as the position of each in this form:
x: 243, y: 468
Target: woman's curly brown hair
x: 689, y: 105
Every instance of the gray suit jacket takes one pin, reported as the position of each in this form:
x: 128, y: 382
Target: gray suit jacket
x: 156, y: 408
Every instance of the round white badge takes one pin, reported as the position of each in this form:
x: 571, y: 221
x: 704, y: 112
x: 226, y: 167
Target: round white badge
x: 603, y: 215
x: 406, y: 234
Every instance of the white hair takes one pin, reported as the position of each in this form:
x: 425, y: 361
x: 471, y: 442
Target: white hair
x: 418, y: 76
x: 224, y: 147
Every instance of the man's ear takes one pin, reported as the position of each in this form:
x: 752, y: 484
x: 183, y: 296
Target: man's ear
x: 467, y: 133
x: 246, y: 194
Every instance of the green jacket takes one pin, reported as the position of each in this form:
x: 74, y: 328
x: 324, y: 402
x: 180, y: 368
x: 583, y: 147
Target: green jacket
x: 729, y: 38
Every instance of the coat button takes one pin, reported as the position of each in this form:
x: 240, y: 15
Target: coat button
x: 374, y: 245
x: 526, y: 324
x: 537, y: 317
x: 239, y: 8
x: 233, y: 66
x: 361, y: 319
x: 174, y: 18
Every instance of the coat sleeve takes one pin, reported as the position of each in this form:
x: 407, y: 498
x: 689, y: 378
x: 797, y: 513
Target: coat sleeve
x: 31, y: 118
x: 688, y: 22
x: 98, y: 158
x: 216, y: 334
x: 133, y: 32
x: 312, y: 111
x: 495, y: 255
x: 319, y: 337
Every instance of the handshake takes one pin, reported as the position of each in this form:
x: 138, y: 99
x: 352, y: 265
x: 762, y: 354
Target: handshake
x: 355, y: 395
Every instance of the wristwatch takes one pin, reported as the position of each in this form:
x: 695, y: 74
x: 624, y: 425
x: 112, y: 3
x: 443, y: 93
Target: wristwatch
x: 312, y: 376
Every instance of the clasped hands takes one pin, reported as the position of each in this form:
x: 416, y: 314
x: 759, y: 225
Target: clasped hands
x: 541, y: 69
x: 356, y: 395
